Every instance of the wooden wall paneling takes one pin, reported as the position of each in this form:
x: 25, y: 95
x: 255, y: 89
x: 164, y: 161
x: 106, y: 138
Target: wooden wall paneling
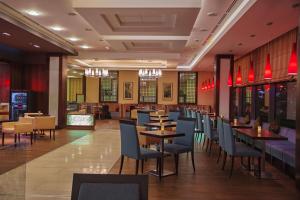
x: 4, y: 82
x: 62, y: 103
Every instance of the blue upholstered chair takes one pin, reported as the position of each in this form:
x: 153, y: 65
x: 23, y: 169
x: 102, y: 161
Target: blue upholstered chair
x: 173, y: 115
x: 211, y: 133
x: 220, y: 131
x: 130, y: 146
x: 188, y: 113
x: 143, y: 117
x: 109, y: 186
x: 185, y: 143
x: 237, y: 149
x: 199, y: 127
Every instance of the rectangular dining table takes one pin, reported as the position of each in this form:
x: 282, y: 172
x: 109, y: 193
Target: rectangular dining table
x: 159, y: 125
x: 162, y: 135
x: 262, y: 135
x: 163, y: 119
x: 157, y: 115
x: 240, y: 125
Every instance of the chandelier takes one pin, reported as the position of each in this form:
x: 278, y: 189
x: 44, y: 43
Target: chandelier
x: 96, y: 72
x: 149, y: 74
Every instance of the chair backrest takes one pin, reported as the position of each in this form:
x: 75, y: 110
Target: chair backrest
x: 188, y: 113
x: 133, y: 114
x: 209, y: 125
x: 143, y: 117
x: 220, y: 131
x: 129, y: 139
x: 186, y: 126
x: 44, y: 123
x: 173, y: 115
x: 109, y: 186
x: 228, y: 139
x: 199, y: 122
x: 193, y: 114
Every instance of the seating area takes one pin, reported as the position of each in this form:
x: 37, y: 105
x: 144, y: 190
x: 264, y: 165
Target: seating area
x: 149, y: 99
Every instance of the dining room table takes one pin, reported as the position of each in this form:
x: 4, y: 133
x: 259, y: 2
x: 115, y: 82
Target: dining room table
x: 162, y: 135
x: 262, y: 135
x: 155, y: 115
x: 163, y: 119
x: 240, y: 125
x: 160, y: 125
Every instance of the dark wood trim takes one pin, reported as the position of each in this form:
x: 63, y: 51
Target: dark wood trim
x: 100, y: 90
x: 62, y: 99
x: 178, y: 89
x: 217, y: 78
x: 84, y: 86
x: 272, y: 102
x: 297, y: 152
x: 139, y: 81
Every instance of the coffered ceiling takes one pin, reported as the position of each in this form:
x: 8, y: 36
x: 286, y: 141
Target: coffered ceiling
x: 171, y: 34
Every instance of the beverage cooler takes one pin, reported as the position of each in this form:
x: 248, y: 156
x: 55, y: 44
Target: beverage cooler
x: 19, y: 103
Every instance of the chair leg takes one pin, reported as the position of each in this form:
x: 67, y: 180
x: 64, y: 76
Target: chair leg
x: 176, y: 157
x: 259, y: 167
x: 219, y: 154
x: 210, y: 145
x: 193, y: 160
x: 159, y: 168
x: 142, y: 166
x: 3, y: 138
x: 15, y: 140
x: 54, y: 134
x: 224, y: 160
x: 249, y: 164
x: 50, y: 134
x: 31, y: 137
x: 204, y: 140
x: 121, y: 164
x: 207, y: 144
x: 137, y: 167
x: 232, y: 166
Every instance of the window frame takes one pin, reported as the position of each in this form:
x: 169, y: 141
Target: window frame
x: 156, y: 92
x: 178, y: 89
x: 100, y: 89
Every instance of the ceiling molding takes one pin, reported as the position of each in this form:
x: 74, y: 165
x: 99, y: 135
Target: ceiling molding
x: 16, y: 18
x: 144, y: 37
x: 137, y: 4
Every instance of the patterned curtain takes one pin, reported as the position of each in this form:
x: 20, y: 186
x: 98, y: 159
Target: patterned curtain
x: 74, y: 87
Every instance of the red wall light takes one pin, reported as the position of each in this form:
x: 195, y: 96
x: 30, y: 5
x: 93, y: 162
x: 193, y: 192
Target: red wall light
x: 268, y: 72
x: 293, y: 63
x: 213, y: 83
x: 251, y: 73
x: 239, y: 77
x: 229, y: 82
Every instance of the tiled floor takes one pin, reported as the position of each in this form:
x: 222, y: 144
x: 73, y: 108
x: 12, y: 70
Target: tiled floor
x: 50, y: 176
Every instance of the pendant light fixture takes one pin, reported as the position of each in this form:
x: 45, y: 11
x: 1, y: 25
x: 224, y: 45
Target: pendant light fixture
x: 205, y: 85
x: 268, y: 71
x: 213, y: 83
x: 251, y: 73
x: 293, y: 63
x: 239, y: 77
x: 208, y: 85
x: 229, y: 81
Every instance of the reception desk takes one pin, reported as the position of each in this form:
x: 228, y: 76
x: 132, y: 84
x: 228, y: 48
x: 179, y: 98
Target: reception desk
x: 81, y: 121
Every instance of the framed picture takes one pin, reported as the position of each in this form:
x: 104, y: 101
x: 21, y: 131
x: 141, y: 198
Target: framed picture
x: 167, y: 91
x: 128, y: 90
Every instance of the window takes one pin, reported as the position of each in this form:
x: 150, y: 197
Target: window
x: 187, y: 87
x: 235, y: 97
x: 262, y: 102
x: 285, y: 103
x: 148, y: 91
x: 247, y: 101
x: 109, y: 88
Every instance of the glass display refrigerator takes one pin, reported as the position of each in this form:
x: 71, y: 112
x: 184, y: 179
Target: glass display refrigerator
x: 19, y: 104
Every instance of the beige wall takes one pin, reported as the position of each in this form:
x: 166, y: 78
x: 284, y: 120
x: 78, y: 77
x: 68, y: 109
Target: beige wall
x: 205, y: 97
x: 168, y: 77
x: 128, y: 76
x: 92, y: 90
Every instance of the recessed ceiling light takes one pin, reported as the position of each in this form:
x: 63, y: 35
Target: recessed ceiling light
x: 85, y: 46
x: 73, y: 39
x: 33, y: 12
x: 6, y: 34
x: 196, y: 40
x: 203, y: 30
x: 57, y: 28
x: 296, y: 5
x: 88, y: 29
x: 240, y: 44
x: 252, y: 35
x: 230, y: 51
x: 269, y: 23
x: 72, y: 14
x: 107, y: 48
x: 211, y: 14
x: 36, y: 46
x: 101, y: 40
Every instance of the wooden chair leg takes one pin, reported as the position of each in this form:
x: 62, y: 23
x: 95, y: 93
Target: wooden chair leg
x: 259, y: 167
x: 210, y: 145
x: 137, y: 167
x: 15, y: 140
x: 54, y: 134
x: 3, y: 138
x: 160, y: 168
x: 232, y: 166
x: 31, y: 137
x: 176, y: 156
x: 207, y: 144
x: 249, y: 164
x: 142, y: 166
x: 50, y: 134
x: 224, y: 160
x: 219, y: 154
x: 121, y: 164
x: 193, y: 160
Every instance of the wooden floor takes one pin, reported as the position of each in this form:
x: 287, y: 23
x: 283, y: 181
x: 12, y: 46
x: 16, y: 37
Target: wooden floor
x: 209, y: 181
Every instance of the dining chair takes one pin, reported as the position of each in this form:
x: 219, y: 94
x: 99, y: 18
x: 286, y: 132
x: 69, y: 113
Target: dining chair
x: 237, y: 149
x: 199, y: 128
x: 173, y: 115
x: 143, y: 117
x: 220, y: 131
x: 211, y: 133
x: 130, y: 147
x: 184, y: 144
x: 109, y: 186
